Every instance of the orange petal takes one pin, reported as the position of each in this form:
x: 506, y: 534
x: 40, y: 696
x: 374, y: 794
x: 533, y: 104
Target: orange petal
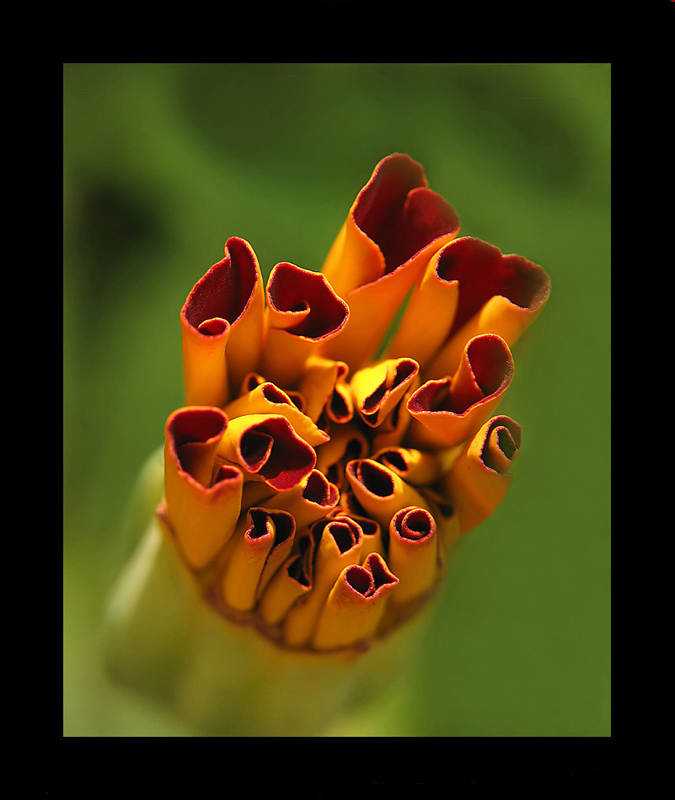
x: 355, y: 604
x: 380, y: 491
x: 479, y: 479
x: 339, y: 546
x: 393, y: 228
x: 308, y: 501
x: 303, y: 311
x: 346, y: 442
x: 418, y: 467
x: 201, y: 512
x: 429, y: 314
x: 379, y: 388
x: 267, y: 398
x: 264, y: 542
x: 290, y: 582
x: 449, y: 410
x: 267, y: 448
x: 413, y: 553
x: 500, y: 294
x: 324, y: 389
x: 222, y: 326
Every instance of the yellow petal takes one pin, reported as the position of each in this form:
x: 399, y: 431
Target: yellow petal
x: 266, y: 448
x: 308, y: 501
x: 267, y: 398
x: 449, y: 410
x: 303, y: 311
x: 429, y: 314
x: 222, y: 326
x: 413, y: 553
x: 290, y: 582
x: 479, y: 479
x: 263, y: 533
x: 392, y: 230
x: 380, y: 491
x: 497, y: 293
x: 339, y: 546
x: 416, y: 467
x: 355, y: 605
x: 379, y: 388
x: 323, y: 386
x: 201, y: 512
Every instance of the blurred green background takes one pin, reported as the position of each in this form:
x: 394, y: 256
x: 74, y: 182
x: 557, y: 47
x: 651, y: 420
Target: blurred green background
x: 163, y: 162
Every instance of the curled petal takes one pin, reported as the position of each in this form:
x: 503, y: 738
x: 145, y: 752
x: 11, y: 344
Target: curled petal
x: 378, y: 389
x: 290, y: 582
x: 429, y: 314
x: 200, y: 510
x: 308, y: 501
x: 266, y: 447
x: 371, y: 531
x: 222, y: 326
x: 346, y: 443
x: 413, y: 553
x: 339, y: 546
x: 418, y: 467
x: 355, y: 605
x: 324, y: 388
x: 479, y: 479
x: 500, y: 294
x: 303, y: 311
x: 393, y: 228
x: 263, y: 544
x: 267, y: 398
x: 449, y: 410
x: 380, y: 491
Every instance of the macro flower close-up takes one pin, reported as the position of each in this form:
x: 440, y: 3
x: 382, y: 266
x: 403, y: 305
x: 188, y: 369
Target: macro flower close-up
x: 324, y: 465
x: 348, y: 506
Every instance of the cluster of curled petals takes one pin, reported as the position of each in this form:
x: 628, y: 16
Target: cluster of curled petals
x: 325, y: 465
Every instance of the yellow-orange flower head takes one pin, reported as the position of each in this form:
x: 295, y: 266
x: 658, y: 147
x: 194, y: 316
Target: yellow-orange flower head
x: 324, y: 465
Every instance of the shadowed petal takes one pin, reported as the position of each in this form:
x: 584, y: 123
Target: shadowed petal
x: 413, y: 553
x: 303, y: 311
x: 393, y: 228
x: 449, y: 410
x: 479, y: 479
x: 222, y: 326
x: 201, y: 512
x: 264, y: 537
x: 266, y: 447
x: 355, y: 605
x: 497, y: 293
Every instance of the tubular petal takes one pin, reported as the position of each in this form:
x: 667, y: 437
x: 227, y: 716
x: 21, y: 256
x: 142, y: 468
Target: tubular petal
x: 501, y: 294
x: 428, y: 316
x: 355, y: 604
x: 201, y: 512
x: 416, y: 467
x: 263, y: 533
x: 308, y: 501
x: 393, y: 228
x: 320, y: 380
x: 339, y: 546
x: 291, y: 581
x: 380, y: 491
x: 479, y: 480
x: 267, y: 398
x: 449, y: 410
x: 303, y: 311
x: 379, y: 388
x: 266, y: 447
x: 222, y: 326
x: 413, y: 552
